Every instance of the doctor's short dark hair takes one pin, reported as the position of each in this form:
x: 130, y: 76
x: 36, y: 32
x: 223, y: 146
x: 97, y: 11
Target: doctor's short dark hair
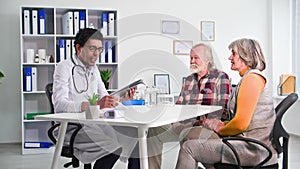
x: 84, y: 35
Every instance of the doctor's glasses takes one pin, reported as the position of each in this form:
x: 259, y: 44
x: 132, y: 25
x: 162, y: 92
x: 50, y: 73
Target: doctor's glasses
x: 94, y: 49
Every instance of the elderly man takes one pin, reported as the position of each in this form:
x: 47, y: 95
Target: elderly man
x: 207, y: 86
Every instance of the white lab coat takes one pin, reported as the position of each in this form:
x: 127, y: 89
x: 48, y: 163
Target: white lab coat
x: 92, y: 141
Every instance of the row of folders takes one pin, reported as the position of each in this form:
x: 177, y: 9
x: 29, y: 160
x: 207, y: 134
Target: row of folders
x: 36, y: 21
x: 72, y: 21
x: 66, y: 49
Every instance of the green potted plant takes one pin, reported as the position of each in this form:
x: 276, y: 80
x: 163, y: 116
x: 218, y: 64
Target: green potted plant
x: 1, y: 76
x: 92, y: 111
x: 105, y: 76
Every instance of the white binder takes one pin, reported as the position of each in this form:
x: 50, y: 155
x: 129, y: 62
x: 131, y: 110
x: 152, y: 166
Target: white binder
x: 34, y: 22
x: 67, y: 23
x: 26, y: 22
x: 109, y: 51
x: 76, y: 22
x: 72, y: 47
x: 68, y: 48
x: 34, y: 79
x: 111, y: 24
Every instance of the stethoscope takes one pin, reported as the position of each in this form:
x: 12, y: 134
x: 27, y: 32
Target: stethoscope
x: 76, y: 66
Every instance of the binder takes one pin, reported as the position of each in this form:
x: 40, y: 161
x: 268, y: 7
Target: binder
x: 68, y: 48
x: 104, y: 53
x: 26, y: 22
x: 34, y: 22
x: 67, y: 23
x: 34, y: 78
x: 82, y: 19
x: 42, y: 21
x: 61, y: 48
x: 109, y: 51
x: 104, y: 24
x: 76, y: 22
x: 29, y: 144
x: 72, y: 47
x: 27, y: 79
x: 111, y: 24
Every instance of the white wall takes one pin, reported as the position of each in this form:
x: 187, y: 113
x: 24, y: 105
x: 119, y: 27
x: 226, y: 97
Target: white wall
x: 282, y: 57
x: 143, y: 50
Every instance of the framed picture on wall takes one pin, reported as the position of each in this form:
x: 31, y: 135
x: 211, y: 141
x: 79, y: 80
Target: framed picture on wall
x: 182, y: 47
x: 170, y: 27
x: 162, y: 83
x: 207, y: 30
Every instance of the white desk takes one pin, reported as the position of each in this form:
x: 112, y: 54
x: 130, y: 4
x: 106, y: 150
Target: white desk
x: 142, y: 120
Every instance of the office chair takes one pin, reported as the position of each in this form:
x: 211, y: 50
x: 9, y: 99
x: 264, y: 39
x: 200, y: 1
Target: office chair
x: 278, y: 132
x: 67, y: 150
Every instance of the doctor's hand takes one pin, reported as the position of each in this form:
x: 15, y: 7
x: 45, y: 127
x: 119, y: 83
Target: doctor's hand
x: 128, y: 95
x: 107, y: 102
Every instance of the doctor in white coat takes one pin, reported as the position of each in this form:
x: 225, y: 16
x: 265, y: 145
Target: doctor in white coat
x: 76, y: 78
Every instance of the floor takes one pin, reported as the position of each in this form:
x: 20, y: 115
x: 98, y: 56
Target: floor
x: 11, y: 158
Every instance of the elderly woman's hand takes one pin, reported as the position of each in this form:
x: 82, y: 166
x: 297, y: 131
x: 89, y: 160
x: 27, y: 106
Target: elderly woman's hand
x: 213, y: 124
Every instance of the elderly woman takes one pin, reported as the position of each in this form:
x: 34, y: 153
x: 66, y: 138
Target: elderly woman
x: 253, y: 115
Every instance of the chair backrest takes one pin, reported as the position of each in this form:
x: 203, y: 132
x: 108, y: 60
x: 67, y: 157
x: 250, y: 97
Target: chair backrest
x: 278, y: 130
x: 49, y: 92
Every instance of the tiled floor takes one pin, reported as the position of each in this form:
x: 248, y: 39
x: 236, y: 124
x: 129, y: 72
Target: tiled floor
x: 11, y: 158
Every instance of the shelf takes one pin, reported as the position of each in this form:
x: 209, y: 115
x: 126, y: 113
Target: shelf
x: 33, y: 121
x: 38, y: 150
x: 39, y: 64
x: 35, y: 92
x: 42, y: 73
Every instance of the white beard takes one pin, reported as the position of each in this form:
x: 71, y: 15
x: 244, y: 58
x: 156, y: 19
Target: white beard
x: 196, y: 69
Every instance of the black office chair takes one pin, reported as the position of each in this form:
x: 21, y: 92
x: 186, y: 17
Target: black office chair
x: 67, y: 150
x: 278, y: 132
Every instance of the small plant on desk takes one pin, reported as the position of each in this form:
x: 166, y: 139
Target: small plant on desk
x: 92, y: 111
x: 93, y: 99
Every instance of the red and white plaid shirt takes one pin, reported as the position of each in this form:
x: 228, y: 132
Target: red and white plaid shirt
x: 211, y: 89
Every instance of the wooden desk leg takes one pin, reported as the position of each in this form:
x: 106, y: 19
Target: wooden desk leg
x: 142, y: 133
x: 59, y: 144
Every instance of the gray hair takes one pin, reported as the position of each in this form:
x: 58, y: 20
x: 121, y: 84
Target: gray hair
x: 207, y: 57
x: 250, y: 52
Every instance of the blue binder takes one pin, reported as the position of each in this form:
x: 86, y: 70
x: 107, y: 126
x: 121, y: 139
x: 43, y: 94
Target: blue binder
x: 105, y: 49
x: 42, y: 21
x: 61, y: 50
x: 104, y: 24
x: 82, y: 19
x: 27, y: 79
x: 30, y: 144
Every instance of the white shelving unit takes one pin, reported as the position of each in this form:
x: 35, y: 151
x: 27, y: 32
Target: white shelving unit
x: 36, y: 101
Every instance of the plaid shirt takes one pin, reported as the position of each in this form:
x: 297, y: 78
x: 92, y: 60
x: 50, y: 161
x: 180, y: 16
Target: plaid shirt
x: 212, y: 89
